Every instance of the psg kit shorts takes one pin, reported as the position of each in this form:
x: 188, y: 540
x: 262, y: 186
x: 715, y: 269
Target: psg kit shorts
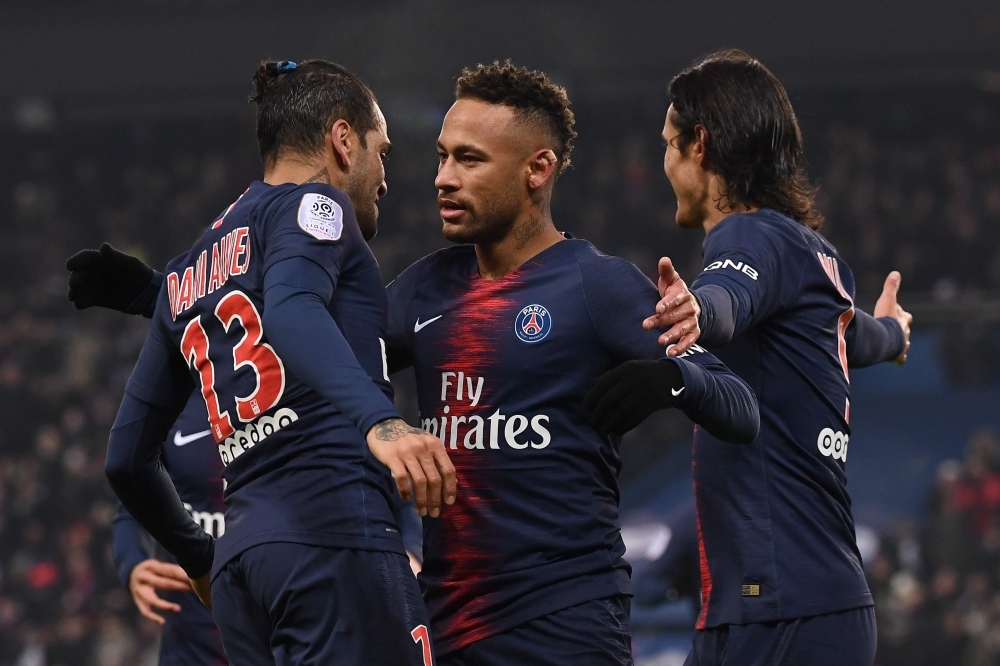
x: 846, y: 638
x: 594, y: 633
x: 190, y: 637
x: 289, y: 604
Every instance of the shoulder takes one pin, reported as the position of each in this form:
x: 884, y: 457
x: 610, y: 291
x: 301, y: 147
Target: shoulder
x: 443, y: 262
x: 607, y: 270
x: 445, y: 258
x: 319, y: 209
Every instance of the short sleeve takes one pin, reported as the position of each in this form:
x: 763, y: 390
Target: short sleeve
x: 742, y: 257
x: 314, y: 221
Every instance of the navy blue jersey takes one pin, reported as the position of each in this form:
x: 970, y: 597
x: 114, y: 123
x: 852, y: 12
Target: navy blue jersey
x: 774, y: 518
x: 191, y: 458
x: 297, y: 467
x: 502, y: 367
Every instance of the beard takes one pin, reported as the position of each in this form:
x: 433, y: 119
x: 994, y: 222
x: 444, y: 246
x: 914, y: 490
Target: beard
x: 486, y: 223
x: 362, y: 189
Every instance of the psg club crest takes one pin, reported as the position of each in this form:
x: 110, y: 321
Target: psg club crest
x: 533, y: 323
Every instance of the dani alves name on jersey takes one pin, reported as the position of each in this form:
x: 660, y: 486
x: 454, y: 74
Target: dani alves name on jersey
x: 230, y: 256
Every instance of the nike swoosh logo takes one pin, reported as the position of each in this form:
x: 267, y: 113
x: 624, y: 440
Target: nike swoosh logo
x: 677, y: 392
x: 181, y: 440
x: 419, y: 324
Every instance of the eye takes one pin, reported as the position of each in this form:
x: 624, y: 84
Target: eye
x: 384, y: 157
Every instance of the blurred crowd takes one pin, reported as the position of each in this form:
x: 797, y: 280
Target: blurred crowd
x: 937, y: 587
x: 929, y: 207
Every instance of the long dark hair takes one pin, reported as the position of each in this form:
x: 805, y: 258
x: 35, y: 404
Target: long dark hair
x: 754, y: 142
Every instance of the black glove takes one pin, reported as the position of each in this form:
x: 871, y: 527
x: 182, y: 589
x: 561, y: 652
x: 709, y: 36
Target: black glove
x: 624, y: 397
x: 107, y: 278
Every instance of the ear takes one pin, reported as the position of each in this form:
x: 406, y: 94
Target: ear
x: 699, y: 146
x: 541, y: 168
x: 342, y: 143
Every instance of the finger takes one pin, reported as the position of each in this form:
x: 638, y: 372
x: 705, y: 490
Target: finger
x: 659, y: 320
x: 892, y: 283
x: 168, y: 570
x: 109, y: 253
x: 684, y: 311
x: 83, y: 259
x: 148, y: 614
x: 684, y: 344
x: 150, y: 599
x: 398, y: 471
x: 419, y: 484
x: 448, y: 475
x: 429, y: 467
x: 673, y: 296
x: 678, y: 331
x: 164, y: 583
x: 164, y: 605
x: 666, y: 270
x: 675, y: 333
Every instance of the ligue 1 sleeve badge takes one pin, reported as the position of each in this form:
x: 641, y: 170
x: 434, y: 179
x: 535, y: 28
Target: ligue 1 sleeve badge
x: 533, y: 323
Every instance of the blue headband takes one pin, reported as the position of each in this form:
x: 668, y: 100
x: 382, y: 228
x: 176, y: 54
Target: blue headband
x: 286, y: 65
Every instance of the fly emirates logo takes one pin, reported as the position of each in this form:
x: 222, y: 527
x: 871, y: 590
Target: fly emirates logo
x: 479, y: 431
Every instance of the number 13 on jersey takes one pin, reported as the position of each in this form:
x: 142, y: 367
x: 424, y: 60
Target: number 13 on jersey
x: 249, y: 351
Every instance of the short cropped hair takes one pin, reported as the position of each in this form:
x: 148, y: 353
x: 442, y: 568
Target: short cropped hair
x: 533, y: 97
x: 297, y: 104
x: 754, y: 141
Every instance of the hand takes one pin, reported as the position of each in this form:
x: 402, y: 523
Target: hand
x: 203, y: 588
x: 151, y: 575
x: 417, y: 460
x: 886, y: 306
x: 106, y: 278
x: 678, y: 308
x: 624, y: 397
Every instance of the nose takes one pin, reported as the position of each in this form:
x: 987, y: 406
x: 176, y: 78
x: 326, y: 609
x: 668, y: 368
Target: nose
x: 382, y: 189
x: 447, y: 178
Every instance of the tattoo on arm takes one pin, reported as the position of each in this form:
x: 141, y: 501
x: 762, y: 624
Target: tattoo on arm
x: 320, y: 177
x: 527, y: 230
x: 392, y: 429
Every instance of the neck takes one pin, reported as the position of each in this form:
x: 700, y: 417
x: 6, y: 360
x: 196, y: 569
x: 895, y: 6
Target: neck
x: 299, y: 171
x: 532, y: 232
x: 718, y: 208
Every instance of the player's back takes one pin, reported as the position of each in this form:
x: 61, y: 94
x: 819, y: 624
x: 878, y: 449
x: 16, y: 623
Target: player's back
x: 777, y: 535
x: 296, y: 468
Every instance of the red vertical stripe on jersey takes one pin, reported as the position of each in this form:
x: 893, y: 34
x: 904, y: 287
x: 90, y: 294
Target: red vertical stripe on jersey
x: 475, y: 327
x: 706, y: 573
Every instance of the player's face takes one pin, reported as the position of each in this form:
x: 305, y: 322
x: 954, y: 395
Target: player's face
x: 481, y: 172
x: 686, y: 176
x: 365, y: 182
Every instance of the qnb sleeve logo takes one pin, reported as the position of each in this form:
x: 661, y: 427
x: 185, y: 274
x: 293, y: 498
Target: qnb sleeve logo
x: 533, y: 323
x: 740, y: 266
x: 833, y: 443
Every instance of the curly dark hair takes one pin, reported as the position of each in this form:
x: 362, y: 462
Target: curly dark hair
x: 754, y: 141
x: 530, y: 94
x: 297, y: 105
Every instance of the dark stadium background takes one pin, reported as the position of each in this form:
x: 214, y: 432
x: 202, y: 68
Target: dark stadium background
x: 127, y: 121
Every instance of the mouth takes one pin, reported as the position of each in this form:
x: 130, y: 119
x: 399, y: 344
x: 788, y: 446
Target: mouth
x: 450, y: 210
